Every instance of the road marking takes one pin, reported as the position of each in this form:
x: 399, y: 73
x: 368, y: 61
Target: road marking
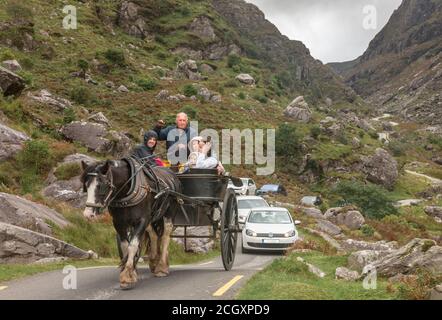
x: 227, y: 286
x: 3, y: 288
x: 205, y: 263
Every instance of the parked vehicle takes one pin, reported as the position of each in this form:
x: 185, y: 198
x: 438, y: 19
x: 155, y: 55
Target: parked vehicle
x: 269, y: 228
x: 246, y: 203
x: 248, y: 187
x: 271, y: 189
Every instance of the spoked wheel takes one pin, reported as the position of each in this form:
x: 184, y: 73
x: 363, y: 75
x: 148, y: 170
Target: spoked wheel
x: 229, y: 229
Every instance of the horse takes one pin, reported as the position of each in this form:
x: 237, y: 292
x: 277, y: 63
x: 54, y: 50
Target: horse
x: 140, y: 220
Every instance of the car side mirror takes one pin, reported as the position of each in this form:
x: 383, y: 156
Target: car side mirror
x: 297, y: 222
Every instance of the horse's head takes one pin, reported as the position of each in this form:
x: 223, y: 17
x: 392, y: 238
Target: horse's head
x: 97, y: 181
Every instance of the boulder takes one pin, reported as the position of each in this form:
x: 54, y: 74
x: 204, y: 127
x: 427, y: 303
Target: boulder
x: 381, y: 168
x: 92, y: 135
x: 27, y: 214
x: 298, y: 110
x: 328, y: 227
x: 204, y: 93
x: 130, y: 19
x: 188, y: 70
x: 20, y: 245
x: 46, y: 98
x: 202, y: 27
x: 312, y: 212
x: 99, y: 118
x: 245, y: 78
x: 10, y: 83
x: 218, y: 51
x: 434, y: 211
x: 123, y: 89
x: 12, y: 65
x: 162, y: 95
x: 359, y: 259
x: 206, y: 69
x: 346, y: 274
x: 11, y: 142
x: 352, y: 219
x: 416, y: 255
x: 436, y: 293
x: 196, y: 245
x: 351, y: 245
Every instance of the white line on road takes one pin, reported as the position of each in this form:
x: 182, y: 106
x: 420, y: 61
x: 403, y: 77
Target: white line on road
x: 205, y: 263
x: 3, y: 288
x: 227, y: 286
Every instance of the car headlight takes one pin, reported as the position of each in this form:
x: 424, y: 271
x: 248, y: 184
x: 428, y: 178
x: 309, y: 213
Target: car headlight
x: 251, y: 233
x: 290, y: 234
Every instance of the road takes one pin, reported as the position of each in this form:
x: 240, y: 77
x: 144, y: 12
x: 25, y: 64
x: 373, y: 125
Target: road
x: 202, y: 281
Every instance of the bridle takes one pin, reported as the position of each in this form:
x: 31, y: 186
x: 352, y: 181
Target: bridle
x: 106, y: 188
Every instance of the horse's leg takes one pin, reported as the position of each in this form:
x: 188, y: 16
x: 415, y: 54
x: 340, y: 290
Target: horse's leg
x: 128, y: 276
x: 162, y: 268
x: 153, y: 248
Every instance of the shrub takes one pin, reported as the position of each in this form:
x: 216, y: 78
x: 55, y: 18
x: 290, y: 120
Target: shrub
x: 315, y: 131
x: 367, y: 230
x: 69, y: 115
x: 287, y: 141
x: 242, y: 96
x: 18, y: 12
x: 35, y: 156
x: 189, y: 90
x: 417, y: 287
x: 82, y: 95
x: 83, y: 64
x: 374, y: 135
x: 67, y: 171
x: 231, y: 83
x: 397, y: 148
x: 371, y: 199
x: 147, y: 84
x: 7, y: 55
x: 262, y: 99
x: 116, y: 56
x: 233, y: 60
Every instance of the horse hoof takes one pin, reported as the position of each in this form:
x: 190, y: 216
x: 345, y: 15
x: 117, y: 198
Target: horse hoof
x: 161, y: 274
x: 127, y: 286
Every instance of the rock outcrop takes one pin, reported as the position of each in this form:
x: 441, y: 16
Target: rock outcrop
x: 11, y: 142
x: 131, y: 20
x: 20, y: 245
x: 352, y: 219
x: 298, y: 110
x: 46, y: 98
x: 381, y: 168
x: 10, y: 83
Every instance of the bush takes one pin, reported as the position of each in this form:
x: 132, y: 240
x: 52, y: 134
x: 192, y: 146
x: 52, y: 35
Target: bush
x: 83, y: 64
x: 189, y: 90
x: 242, y: 96
x: 82, y: 95
x: 262, y: 99
x: 35, y: 156
x: 374, y: 135
x: 233, y: 60
x: 397, y: 148
x: 371, y: 199
x: 147, y: 84
x: 315, y: 131
x: 116, y: 56
x: 367, y: 230
x: 69, y: 115
x: 287, y: 141
x: 67, y: 171
x: 231, y: 83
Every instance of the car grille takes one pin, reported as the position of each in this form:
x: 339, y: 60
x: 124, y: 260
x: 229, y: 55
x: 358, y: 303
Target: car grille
x: 267, y: 235
x: 269, y: 245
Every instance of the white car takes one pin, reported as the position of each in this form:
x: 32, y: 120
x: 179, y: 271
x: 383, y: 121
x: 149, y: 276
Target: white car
x: 269, y: 228
x: 248, y: 187
x: 246, y: 203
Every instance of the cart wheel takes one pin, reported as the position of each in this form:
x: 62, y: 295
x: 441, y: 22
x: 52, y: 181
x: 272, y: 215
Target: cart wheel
x: 229, y: 227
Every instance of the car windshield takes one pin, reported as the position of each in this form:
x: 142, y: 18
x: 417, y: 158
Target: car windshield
x: 269, y: 187
x: 251, y: 203
x: 270, y: 217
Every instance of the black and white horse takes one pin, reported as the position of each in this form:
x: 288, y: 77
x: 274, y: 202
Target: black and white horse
x: 107, y: 182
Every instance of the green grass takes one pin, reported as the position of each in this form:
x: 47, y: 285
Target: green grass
x: 288, y: 279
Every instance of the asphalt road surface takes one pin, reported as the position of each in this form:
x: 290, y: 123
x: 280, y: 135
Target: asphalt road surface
x: 202, y: 281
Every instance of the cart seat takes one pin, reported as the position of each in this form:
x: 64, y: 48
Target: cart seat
x: 204, y: 184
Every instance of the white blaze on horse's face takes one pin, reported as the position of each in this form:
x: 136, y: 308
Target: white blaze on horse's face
x: 91, y: 198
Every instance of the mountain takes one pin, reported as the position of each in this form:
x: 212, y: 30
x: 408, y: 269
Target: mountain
x: 401, y: 71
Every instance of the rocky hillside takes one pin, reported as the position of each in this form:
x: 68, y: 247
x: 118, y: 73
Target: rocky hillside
x: 85, y: 94
x: 401, y: 71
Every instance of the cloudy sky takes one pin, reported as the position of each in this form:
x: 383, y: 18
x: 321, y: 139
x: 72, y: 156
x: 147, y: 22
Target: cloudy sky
x: 333, y: 30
